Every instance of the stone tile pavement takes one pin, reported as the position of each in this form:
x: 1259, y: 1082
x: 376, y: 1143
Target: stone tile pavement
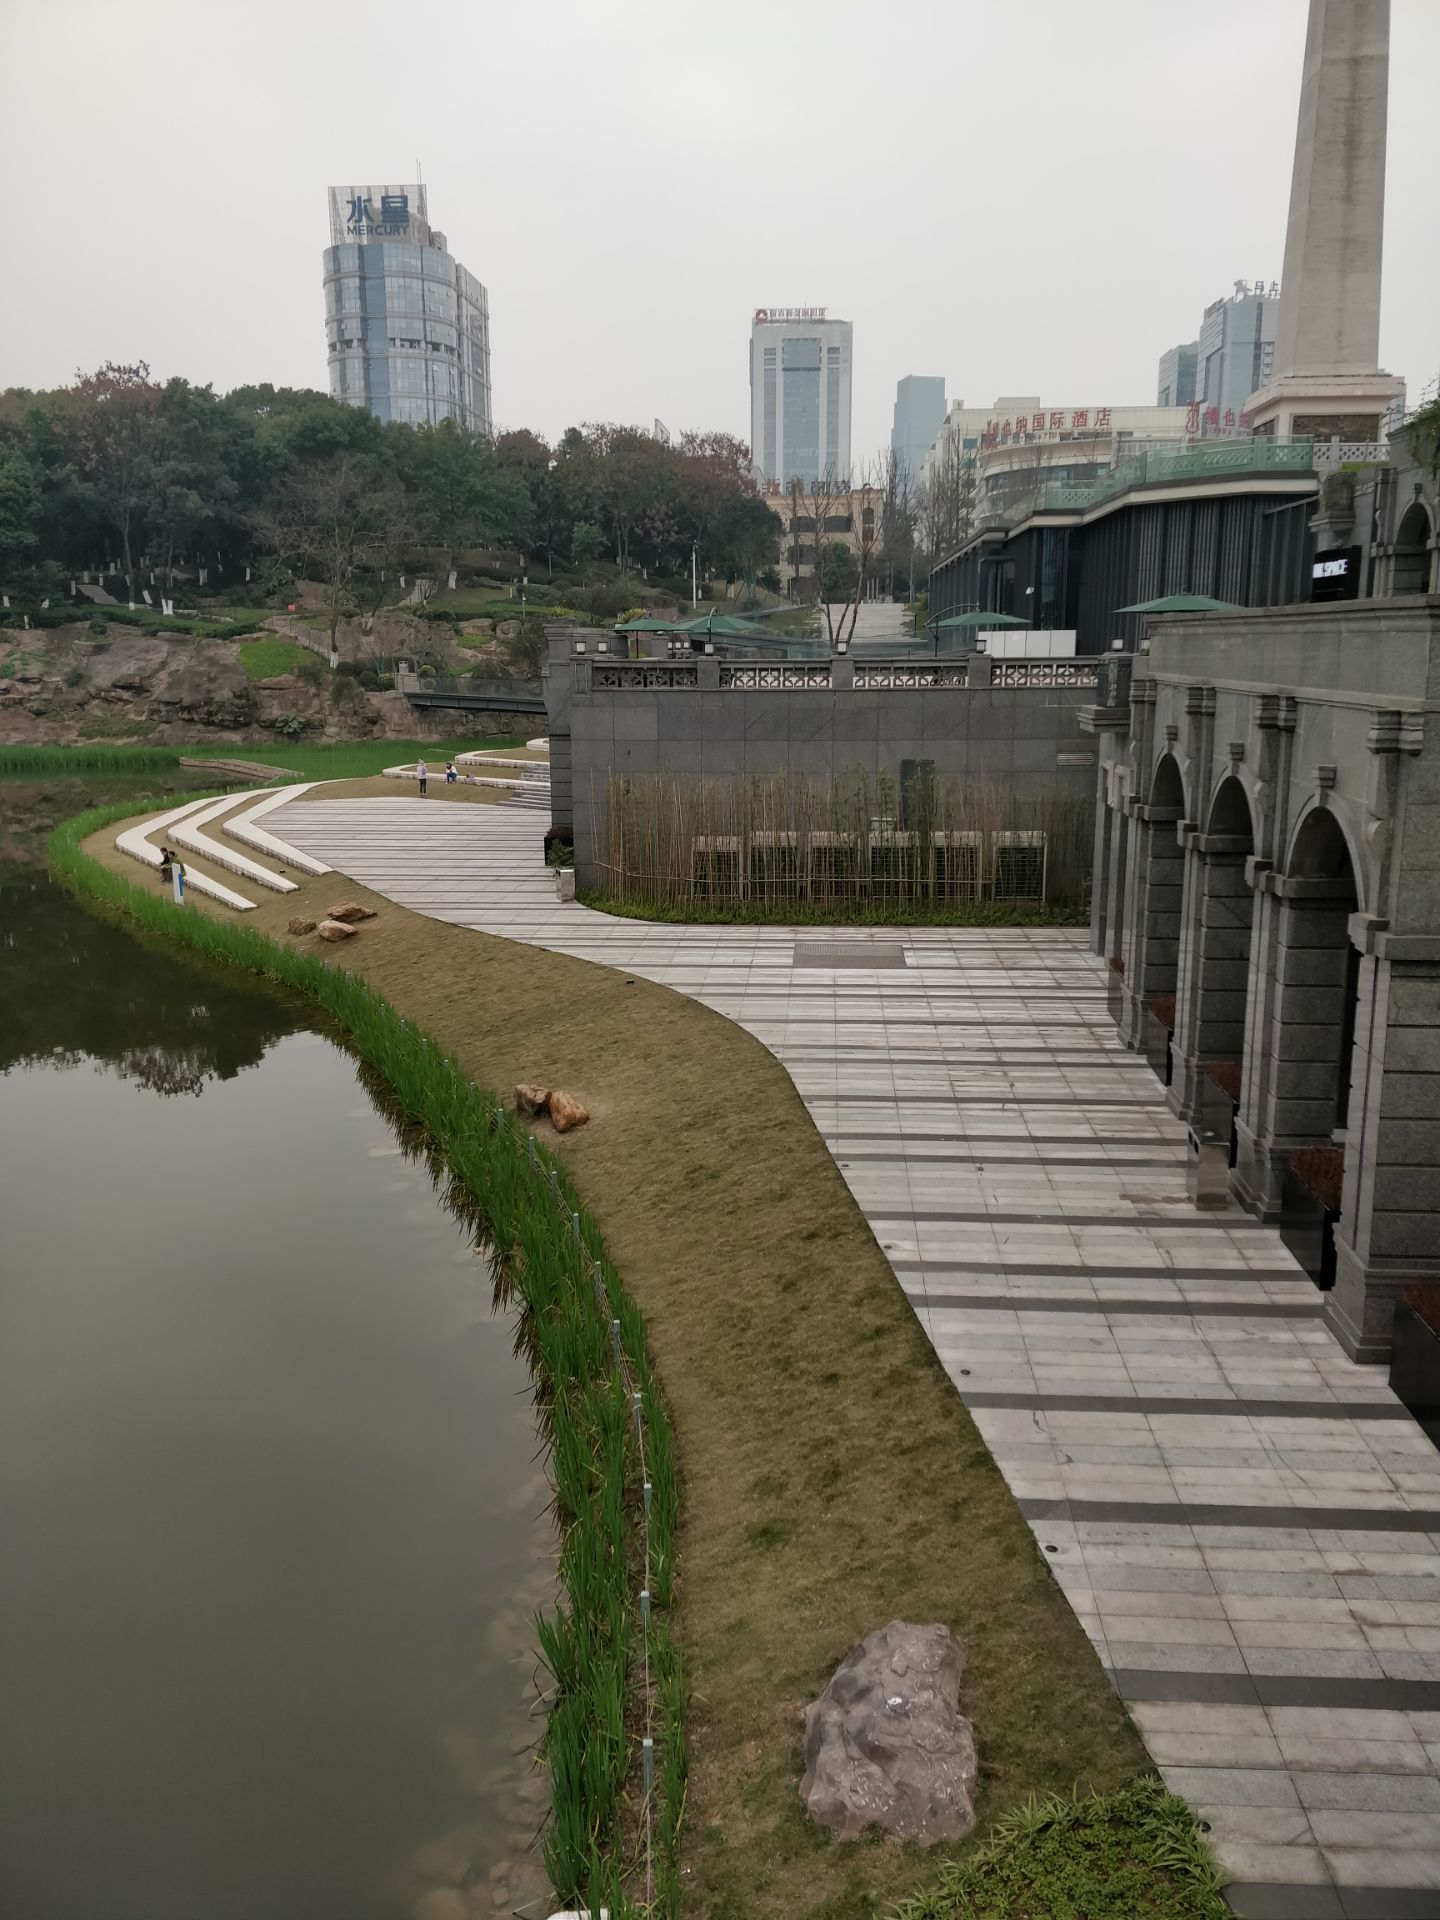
x: 1246, y: 1523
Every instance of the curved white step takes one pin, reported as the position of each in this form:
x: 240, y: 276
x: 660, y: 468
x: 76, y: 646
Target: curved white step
x: 242, y: 827
x: 514, y: 783
x: 136, y: 843
x: 188, y: 834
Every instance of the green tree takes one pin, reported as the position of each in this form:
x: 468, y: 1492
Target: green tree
x: 837, y: 571
x: 19, y: 515
x: 745, y: 539
x: 118, y: 434
x: 339, y: 525
x: 459, y: 494
x: 585, y: 544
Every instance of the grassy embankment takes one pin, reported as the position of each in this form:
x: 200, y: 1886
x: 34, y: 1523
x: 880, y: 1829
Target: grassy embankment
x: 830, y: 1477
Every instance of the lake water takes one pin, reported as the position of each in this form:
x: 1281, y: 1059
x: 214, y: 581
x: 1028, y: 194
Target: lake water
x: 271, y: 1497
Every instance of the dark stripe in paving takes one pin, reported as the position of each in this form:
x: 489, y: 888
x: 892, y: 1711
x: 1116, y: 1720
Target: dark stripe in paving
x: 1257, y: 1900
x: 1180, y: 1513
x: 980, y: 1057
x: 835, y: 1141
x: 967, y: 1099
x: 1182, y: 1309
x: 1067, y: 1218
x: 1278, y: 1690
x: 1191, y: 1405
x: 1082, y: 1270
x: 846, y: 1154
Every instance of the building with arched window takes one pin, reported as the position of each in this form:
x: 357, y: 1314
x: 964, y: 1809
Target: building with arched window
x: 1267, y: 896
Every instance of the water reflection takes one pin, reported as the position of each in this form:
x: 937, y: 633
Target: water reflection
x: 74, y: 988
x: 270, y: 1484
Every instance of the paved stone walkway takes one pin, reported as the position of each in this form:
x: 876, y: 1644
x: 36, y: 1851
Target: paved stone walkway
x: 1246, y: 1523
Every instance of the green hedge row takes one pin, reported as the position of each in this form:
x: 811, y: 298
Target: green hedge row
x: 85, y: 613
x: 551, y: 1256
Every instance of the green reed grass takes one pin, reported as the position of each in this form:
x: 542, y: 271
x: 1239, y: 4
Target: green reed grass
x: 590, y: 1645
x: 36, y: 762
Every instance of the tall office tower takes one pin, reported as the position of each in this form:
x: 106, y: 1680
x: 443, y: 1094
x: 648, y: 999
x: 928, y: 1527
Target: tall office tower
x: 799, y: 397
x: 919, y: 416
x: 407, y: 328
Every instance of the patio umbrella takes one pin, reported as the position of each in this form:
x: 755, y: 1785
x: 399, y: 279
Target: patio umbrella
x: 982, y: 620
x: 645, y: 626
x: 1183, y: 603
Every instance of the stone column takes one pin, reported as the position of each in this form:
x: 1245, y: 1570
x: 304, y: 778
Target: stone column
x: 1215, y: 964
x: 1389, y: 1232
x: 1100, y: 872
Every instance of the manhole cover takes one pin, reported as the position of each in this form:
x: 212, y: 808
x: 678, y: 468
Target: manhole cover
x: 848, y: 953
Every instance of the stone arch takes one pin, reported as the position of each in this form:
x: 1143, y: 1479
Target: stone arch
x: 1321, y: 848
x: 1214, y: 994
x: 1413, y: 555
x: 1317, y: 984
x: 1167, y: 786
x: 1161, y: 890
x: 1230, y: 812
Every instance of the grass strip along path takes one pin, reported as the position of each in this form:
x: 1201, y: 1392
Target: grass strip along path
x: 829, y: 1477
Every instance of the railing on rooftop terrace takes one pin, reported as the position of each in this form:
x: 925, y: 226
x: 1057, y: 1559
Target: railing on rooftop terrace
x: 1164, y: 462
x: 905, y: 673
x: 1215, y: 460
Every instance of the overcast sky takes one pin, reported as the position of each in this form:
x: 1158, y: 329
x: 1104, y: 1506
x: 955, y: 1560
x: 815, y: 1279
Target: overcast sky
x: 1022, y: 195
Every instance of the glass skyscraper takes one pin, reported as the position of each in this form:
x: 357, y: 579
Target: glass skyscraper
x: 407, y: 328
x: 799, y: 397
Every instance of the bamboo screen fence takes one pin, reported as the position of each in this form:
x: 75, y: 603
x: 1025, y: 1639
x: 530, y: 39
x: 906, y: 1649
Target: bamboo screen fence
x: 853, y: 840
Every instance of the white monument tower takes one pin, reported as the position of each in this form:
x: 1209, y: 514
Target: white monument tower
x: 1327, y: 379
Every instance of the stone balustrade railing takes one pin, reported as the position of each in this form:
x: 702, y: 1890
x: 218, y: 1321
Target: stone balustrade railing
x: 906, y: 673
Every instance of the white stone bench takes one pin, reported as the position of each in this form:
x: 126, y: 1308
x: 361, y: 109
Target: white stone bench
x: 188, y: 834
x: 135, y: 842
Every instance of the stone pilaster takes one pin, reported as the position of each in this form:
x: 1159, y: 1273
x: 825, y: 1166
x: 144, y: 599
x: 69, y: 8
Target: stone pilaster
x: 1389, y: 1231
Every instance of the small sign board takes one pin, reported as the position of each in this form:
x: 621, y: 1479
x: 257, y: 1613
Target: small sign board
x: 1335, y: 574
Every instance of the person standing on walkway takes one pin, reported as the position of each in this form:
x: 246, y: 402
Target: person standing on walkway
x: 422, y: 774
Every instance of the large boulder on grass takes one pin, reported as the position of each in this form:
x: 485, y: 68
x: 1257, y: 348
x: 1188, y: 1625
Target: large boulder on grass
x: 336, y: 930
x: 566, y: 1112
x: 351, y: 910
x: 886, y: 1744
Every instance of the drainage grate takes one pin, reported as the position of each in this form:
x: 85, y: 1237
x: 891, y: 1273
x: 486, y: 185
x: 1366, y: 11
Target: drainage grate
x: 848, y: 953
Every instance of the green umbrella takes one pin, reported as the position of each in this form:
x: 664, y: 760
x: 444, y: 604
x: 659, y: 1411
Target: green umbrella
x: 726, y: 625
x: 645, y: 626
x: 1183, y: 603
x: 982, y: 620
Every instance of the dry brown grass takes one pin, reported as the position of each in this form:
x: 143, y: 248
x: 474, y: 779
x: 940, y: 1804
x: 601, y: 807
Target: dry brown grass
x: 831, y: 1478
